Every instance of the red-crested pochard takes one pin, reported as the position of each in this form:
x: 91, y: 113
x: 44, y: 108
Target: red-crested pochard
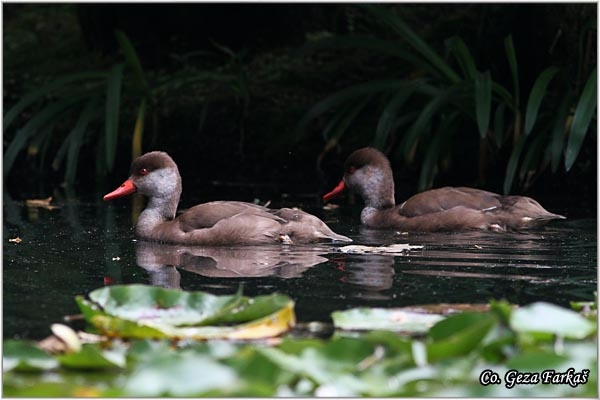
x: 156, y: 176
x: 368, y: 173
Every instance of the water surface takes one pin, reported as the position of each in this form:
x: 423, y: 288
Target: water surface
x: 86, y: 244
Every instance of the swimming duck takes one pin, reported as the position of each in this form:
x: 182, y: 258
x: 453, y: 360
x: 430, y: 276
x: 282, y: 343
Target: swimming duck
x: 369, y: 174
x: 156, y: 176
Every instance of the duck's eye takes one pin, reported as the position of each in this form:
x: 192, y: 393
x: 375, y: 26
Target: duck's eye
x: 143, y: 171
x: 351, y: 170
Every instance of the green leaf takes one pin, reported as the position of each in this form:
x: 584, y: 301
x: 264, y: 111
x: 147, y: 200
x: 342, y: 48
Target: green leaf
x: 458, y: 335
x: 179, y: 374
x: 538, y: 91
x: 138, y: 131
x: 146, y: 303
x: 343, y: 119
x: 141, y: 311
x: 75, y: 139
x: 462, y: 54
x: 23, y: 356
x: 514, y: 70
x: 388, y: 116
x: 133, y: 61
x: 397, y: 320
x: 557, y: 133
x: 537, y: 360
x: 483, y: 101
x: 440, y: 140
x: 415, y: 41
x: 513, y: 162
x: 93, y: 357
x: 35, y: 95
x: 113, y: 104
x: 532, y: 157
x: 543, y: 317
x: 46, y: 117
x: 586, y: 107
x: 427, y: 113
x: 375, y: 45
x: 354, y: 92
x: 499, y: 125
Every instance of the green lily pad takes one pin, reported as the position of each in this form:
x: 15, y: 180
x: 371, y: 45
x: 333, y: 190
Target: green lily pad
x: 92, y: 357
x: 548, y: 318
x: 146, y: 304
x: 391, y: 319
x: 25, y: 357
x: 139, y: 311
x: 458, y: 335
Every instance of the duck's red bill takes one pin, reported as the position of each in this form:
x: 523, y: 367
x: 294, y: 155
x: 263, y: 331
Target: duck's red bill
x: 126, y: 188
x: 335, y: 192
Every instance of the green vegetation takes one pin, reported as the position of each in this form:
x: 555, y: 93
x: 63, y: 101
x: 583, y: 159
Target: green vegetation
x: 428, y: 100
x: 412, y: 354
x: 93, y: 102
x: 417, y: 112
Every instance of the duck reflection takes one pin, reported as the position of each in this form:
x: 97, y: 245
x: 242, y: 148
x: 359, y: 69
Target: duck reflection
x: 371, y: 274
x: 162, y: 261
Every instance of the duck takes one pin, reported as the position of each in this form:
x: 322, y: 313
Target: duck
x: 369, y: 174
x: 156, y: 176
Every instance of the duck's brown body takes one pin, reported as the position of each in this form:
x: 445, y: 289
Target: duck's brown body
x: 369, y: 174
x: 156, y: 176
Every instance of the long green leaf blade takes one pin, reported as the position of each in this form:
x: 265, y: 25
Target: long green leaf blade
x: 385, y: 124
x: 90, y: 111
x: 113, y: 103
x: 559, y: 127
x: 424, y: 118
x: 536, y: 96
x: 46, y: 116
x: 586, y: 106
x: 353, y: 92
x: 514, y: 70
x: 462, y: 54
x: 415, y: 41
x: 133, y: 61
x: 483, y: 101
x: 38, y: 94
x: 513, y: 163
x: 440, y: 140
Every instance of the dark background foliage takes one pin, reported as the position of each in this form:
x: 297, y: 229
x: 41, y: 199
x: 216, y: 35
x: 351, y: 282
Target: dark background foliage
x: 244, y: 132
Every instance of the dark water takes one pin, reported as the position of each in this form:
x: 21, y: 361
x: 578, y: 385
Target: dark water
x: 75, y: 249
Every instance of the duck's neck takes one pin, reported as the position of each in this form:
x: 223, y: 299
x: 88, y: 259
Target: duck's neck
x: 377, y: 189
x: 161, y: 208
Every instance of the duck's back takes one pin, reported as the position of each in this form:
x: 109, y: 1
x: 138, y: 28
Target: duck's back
x: 436, y: 200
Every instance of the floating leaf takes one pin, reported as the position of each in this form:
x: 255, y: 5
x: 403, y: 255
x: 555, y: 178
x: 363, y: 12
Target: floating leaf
x: 140, y: 311
x: 458, y: 335
x: 544, y: 317
x: 398, y: 320
x: 93, y: 357
x: 24, y: 356
x: 397, y: 248
x: 179, y: 374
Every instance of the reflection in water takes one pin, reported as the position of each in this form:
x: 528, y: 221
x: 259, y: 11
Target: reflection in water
x: 162, y: 261
x: 71, y: 250
x: 371, y: 274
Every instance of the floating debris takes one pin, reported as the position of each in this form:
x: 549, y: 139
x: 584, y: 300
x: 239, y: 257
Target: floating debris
x: 397, y: 248
x: 41, y: 203
x: 16, y: 240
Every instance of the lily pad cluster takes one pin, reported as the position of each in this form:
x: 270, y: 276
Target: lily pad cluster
x: 140, y: 311
x: 148, y: 347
